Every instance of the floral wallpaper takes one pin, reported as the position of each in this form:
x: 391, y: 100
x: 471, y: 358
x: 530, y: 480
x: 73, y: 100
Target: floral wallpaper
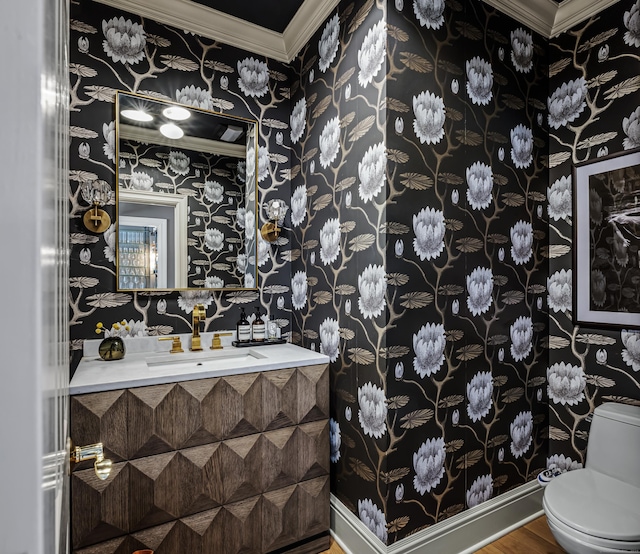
x: 113, y: 50
x: 419, y: 207
x: 593, y: 111
x: 215, y: 189
x: 423, y: 149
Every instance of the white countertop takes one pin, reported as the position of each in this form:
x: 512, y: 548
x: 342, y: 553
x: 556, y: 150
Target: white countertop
x: 138, y: 369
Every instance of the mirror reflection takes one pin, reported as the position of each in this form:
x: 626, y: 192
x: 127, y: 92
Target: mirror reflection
x: 186, y: 197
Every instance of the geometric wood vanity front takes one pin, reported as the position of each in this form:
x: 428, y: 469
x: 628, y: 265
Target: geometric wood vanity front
x: 221, y: 465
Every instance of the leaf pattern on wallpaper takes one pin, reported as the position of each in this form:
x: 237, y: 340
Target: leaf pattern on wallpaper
x: 596, y: 125
x: 416, y: 418
x: 415, y: 63
x: 628, y: 86
x: 361, y: 128
x: 361, y: 469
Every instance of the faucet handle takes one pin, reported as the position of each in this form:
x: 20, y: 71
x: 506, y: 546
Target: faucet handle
x: 216, y: 343
x: 176, y: 345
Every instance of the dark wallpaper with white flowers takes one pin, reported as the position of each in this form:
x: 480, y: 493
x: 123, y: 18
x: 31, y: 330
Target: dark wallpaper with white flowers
x: 419, y: 203
x: 424, y: 150
x: 593, y: 111
x: 113, y: 50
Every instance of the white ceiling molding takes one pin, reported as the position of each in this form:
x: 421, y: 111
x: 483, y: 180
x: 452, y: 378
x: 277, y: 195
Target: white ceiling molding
x: 573, y: 12
x: 543, y: 16
x: 547, y: 17
x: 227, y: 29
x: 305, y: 23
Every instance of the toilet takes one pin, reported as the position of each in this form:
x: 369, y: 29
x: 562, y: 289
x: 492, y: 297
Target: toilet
x: 597, y: 509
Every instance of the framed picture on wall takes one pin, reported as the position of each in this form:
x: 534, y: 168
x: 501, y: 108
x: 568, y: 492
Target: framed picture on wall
x: 606, y: 232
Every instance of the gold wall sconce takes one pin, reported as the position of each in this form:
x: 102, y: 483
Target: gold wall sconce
x: 96, y: 193
x: 270, y: 231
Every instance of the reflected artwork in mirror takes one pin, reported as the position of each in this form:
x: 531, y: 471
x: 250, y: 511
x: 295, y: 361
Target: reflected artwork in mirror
x: 186, y: 197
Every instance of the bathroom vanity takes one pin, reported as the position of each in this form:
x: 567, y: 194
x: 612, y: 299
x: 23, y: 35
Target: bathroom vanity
x: 213, y: 452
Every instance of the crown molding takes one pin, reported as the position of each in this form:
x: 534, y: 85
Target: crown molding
x: 543, y: 16
x: 546, y: 16
x: 227, y: 29
x: 573, y: 12
x: 305, y: 23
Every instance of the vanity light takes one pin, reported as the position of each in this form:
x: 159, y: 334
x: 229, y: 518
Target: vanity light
x: 136, y: 115
x: 97, y: 193
x: 171, y: 131
x: 176, y: 113
x: 270, y: 230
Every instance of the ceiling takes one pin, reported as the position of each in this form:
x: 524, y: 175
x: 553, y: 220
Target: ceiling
x: 278, y: 29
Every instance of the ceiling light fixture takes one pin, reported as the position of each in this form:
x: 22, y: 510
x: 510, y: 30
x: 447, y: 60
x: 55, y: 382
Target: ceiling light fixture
x: 137, y: 115
x: 171, y: 131
x: 176, y: 113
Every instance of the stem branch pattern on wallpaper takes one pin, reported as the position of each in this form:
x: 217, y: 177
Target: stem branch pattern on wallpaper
x: 418, y: 179
x: 114, y: 50
x: 593, y: 111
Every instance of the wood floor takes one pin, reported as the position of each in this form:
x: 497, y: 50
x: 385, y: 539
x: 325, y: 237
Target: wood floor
x: 534, y: 538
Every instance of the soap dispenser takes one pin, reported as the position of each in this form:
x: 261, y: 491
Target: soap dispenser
x: 243, y: 328
x: 258, y: 327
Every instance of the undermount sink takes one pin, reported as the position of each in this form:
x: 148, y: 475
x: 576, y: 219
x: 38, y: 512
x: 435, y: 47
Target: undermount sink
x: 205, y: 361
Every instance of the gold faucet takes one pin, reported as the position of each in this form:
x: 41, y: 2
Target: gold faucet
x: 198, y: 316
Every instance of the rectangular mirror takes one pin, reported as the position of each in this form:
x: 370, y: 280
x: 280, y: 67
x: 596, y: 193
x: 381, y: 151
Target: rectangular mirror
x: 186, y: 197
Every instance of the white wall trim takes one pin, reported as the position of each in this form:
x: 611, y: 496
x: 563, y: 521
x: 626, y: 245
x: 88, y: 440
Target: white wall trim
x: 543, y: 16
x: 547, y: 17
x: 227, y: 29
x: 576, y: 11
x: 461, y: 534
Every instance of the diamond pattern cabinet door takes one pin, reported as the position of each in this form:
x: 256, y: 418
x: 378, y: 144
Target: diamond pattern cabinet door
x: 101, y: 508
x: 100, y: 417
x: 313, y: 393
x: 170, y: 538
x: 199, y: 390
x: 142, y: 434
x: 279, y: 398
x: 313, y: 507
x: 280, y: 458
x: 234, y: 470
x: 313, y: 450
x: 154, y: 427
x: 234, y: 529
x: 279, y: 518
x: 233, y: 408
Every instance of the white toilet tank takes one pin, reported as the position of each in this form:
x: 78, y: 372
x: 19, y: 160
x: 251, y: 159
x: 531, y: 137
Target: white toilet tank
x: 614, y: 442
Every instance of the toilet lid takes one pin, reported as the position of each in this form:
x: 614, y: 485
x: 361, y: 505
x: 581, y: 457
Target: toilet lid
x: 595, y: 504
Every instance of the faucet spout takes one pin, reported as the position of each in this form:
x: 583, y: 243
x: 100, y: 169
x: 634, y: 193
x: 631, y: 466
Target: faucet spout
x: 198, y: 316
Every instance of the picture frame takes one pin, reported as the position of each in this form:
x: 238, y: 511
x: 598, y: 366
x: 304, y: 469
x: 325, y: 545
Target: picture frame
x: 606, y: 241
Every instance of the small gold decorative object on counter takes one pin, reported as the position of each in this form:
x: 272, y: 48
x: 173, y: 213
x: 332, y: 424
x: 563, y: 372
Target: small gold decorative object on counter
x: 198, y: 316
x: 176, y: 345
x: 216, y: 343
x: 112, y: 347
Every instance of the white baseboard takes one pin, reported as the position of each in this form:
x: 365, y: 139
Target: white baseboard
x: 461, y: 534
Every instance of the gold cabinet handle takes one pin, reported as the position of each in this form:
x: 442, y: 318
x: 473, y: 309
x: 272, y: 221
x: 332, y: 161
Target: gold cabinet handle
x: 176, y: 345
x: 101, y: 466
x: 216, y: 343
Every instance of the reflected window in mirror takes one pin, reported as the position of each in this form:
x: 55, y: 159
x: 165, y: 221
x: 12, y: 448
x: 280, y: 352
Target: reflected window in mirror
x: 186, y: 197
